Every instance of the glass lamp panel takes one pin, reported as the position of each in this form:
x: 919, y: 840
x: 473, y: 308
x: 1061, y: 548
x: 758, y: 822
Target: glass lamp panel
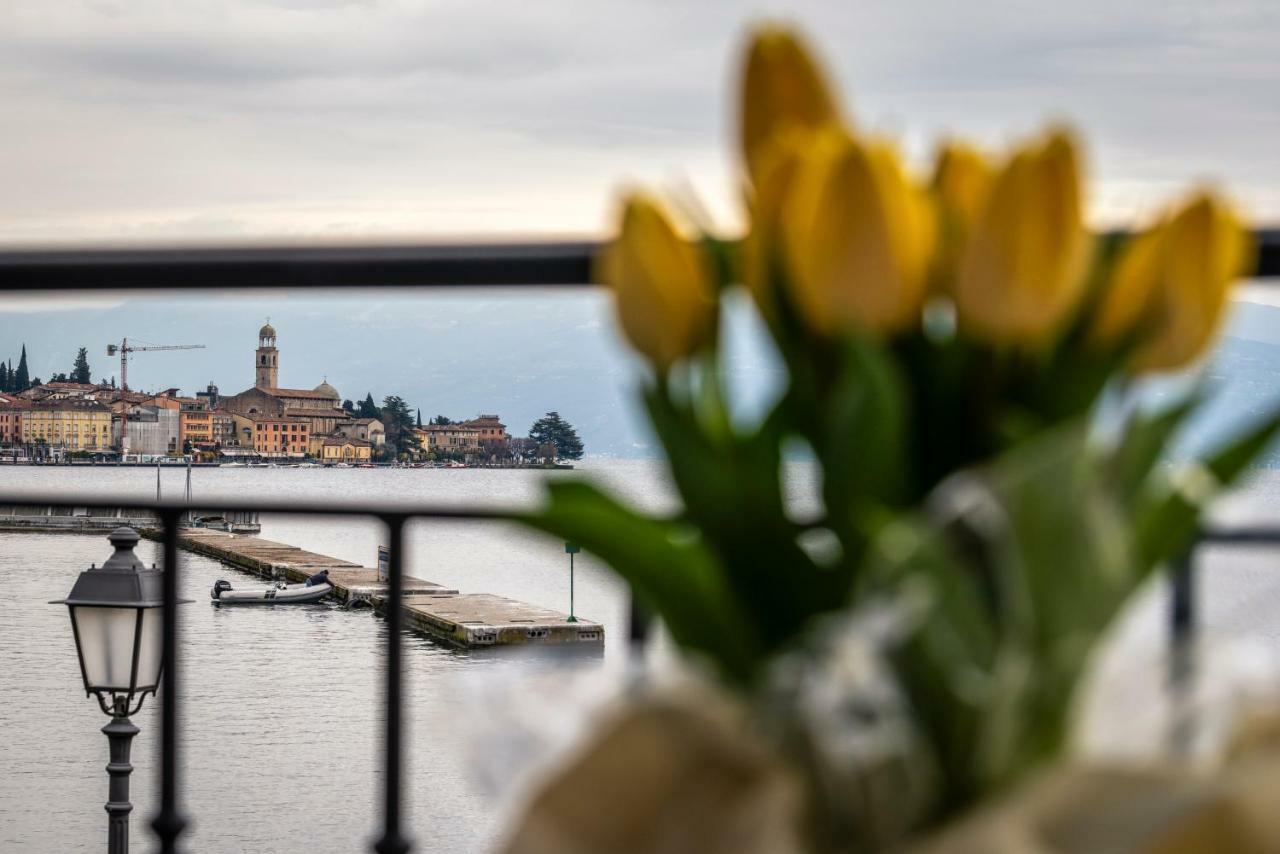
x: 149, y: 654
x: 106, y: 644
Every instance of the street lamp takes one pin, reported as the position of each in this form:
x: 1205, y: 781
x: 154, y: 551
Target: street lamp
x: 571, y: 550
x: 117, y: 617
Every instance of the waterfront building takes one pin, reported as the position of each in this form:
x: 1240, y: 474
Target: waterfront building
x: 195, y: 426
x: 493, y: 433
x: 222, y: 425
x: 10, y: 424
x: 369, y: 430
x: 449, y: 438
x: 72, y: 425
x: 273, y: 436
x: 341, y: 449
x: 148, y: 429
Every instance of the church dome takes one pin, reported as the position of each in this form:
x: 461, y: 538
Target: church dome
x: 267, y: 331
x: 327, y: 390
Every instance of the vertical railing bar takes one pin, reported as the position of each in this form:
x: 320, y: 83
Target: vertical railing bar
x: 1182, y: 606
x: 1183, y: 714
x: 393, y: 840
x: 637, y: 626
x: 169, y: 822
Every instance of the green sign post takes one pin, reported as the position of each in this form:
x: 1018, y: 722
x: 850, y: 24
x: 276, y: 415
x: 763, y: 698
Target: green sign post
x: 571, y: 550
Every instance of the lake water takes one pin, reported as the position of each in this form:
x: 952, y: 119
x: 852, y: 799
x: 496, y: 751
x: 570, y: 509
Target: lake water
x: 282, y: 706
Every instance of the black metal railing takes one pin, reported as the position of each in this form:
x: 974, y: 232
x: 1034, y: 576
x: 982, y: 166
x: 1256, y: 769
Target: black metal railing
x: 432, y: 266
x: 170, y: 821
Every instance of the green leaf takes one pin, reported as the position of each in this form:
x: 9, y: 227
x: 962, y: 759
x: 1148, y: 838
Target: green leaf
x: 1029, y: 564
x: 862, y: 438
x: 667, y: 566
x: 1169, y: 516
x: 731, y: 486
x: 1145, y: 437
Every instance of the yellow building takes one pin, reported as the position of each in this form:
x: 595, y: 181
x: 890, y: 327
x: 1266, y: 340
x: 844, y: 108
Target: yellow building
x: 340, y: 449
x: 449, y: 438
x: 70, y: 425
x: 195, y: 426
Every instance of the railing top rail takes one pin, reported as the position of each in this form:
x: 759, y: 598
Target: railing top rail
x: 1223, y: 535
x: 383, y: 509
x: 427, y: 265
x: 424, y: 265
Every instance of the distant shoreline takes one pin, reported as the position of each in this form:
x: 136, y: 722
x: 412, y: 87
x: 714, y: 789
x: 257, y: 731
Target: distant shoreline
x: 285, y: 465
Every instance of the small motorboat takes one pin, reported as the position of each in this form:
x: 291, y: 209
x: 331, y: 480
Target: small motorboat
x: 313, y: 589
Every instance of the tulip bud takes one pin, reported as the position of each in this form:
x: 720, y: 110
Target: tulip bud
x: 782, y: 91
x: 662, y: 285
x: 1171, y: 284
x: 857, y: 238
x: 1021, y: 273
x: 762, y: 244
x: 961, y: 182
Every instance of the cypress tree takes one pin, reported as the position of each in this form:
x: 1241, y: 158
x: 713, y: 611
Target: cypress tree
x: 22, y: 381
x: 80, y: 370
x: 419, y: 424
x: 4, y: 377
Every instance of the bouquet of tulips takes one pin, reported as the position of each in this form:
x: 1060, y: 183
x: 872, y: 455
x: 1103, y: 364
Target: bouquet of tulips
x: 948, y: 339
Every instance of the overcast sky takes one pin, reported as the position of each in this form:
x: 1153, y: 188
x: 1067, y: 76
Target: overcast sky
x: 152, y: 120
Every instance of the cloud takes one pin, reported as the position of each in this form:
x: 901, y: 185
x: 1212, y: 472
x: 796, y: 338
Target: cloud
x: 154, y: 121
x: 23, y: 304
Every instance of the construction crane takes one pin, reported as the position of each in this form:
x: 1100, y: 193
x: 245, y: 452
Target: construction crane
x: 124, y: 348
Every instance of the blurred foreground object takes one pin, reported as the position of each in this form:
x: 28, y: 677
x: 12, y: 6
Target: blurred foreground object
x: 914, y: 648
x: 676, y: 772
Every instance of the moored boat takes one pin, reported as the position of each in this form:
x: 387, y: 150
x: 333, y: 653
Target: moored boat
x: 313, y: 589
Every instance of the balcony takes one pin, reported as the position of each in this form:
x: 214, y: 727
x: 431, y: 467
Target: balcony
x: 408, y: 268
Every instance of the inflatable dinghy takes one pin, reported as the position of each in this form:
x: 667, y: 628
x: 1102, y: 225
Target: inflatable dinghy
x: 313, y: 589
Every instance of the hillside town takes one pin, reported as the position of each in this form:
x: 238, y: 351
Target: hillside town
x: 71, y: 419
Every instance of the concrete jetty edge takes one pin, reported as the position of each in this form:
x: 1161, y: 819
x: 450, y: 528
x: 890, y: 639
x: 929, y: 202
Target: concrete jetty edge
x: 467, y: 620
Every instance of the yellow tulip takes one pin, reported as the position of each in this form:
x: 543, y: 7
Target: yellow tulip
x: 1171, y: 284
x: 1021, y: 272
x: 783, y: 90
x: 662, y: 284
x: 961, y: 182
x: 759, y: 251
x: 857, y: 238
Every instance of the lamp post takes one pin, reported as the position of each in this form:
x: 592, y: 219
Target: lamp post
x: 571, y: 550
x: 116, y: 616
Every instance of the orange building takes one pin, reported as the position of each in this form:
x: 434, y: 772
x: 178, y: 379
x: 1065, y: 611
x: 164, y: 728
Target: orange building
x: 492, y: 430
x: 273, y: 436
x: 10, y: 425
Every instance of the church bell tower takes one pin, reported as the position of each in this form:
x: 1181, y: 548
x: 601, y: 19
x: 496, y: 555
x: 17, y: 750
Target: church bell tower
x: 266, y: 366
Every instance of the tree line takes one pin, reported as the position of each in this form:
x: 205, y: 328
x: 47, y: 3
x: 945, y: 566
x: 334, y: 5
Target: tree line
x: 549, y: 436
x: 19, y: 379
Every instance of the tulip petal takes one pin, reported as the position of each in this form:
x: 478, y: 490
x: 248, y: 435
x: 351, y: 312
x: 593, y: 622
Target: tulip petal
x: 1021, y: 274
x: 662, y: 287
x: 962, y: 180
x: 782, y: 90
x: 857, y: 239
x: 961, y: 183
x: 1171, y: 284
x: 1205, y: 252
